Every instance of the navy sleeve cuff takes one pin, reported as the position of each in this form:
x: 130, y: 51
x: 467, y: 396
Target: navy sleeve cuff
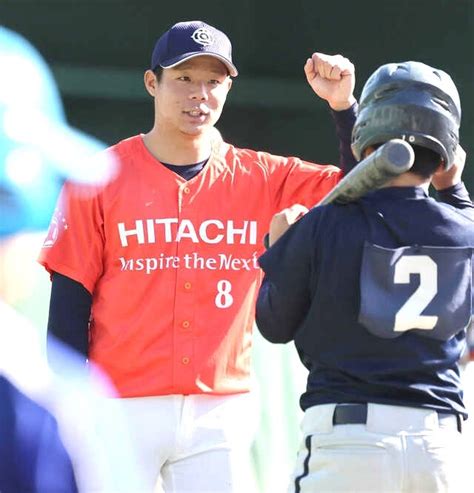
x: 456, y: 195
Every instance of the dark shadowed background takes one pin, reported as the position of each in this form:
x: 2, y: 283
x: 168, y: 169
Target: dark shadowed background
x: 98, y: 50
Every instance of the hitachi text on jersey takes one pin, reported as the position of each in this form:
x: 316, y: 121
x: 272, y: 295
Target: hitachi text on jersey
x: 171, y: 229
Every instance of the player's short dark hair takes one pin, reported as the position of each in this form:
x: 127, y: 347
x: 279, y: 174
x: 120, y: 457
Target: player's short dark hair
x: 158, y: 73
x: 426, y: 161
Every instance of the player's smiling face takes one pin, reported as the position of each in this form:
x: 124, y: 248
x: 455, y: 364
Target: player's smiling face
x: 190, y: 97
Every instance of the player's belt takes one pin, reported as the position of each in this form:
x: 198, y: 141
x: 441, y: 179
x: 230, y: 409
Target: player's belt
x: 356, y: 414
x: 350, y: 414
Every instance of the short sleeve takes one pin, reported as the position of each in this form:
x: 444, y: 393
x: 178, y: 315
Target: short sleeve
x: 293, y: 180
x: 75, y: 240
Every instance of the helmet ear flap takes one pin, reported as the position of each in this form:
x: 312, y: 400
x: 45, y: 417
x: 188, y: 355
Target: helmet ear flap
x: 410, y: 101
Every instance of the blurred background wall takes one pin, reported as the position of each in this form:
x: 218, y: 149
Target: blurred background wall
x: 99, y: 49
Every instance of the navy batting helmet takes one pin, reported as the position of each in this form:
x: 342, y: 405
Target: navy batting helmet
x: 410, y: 101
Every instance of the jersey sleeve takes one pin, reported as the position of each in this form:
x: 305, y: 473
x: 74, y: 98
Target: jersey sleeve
x: 458, y: 197
x: 75, y: 240
x: 344, y: 122
x: 69, y: 313
x: 284, y: 297
x: 293, y: 180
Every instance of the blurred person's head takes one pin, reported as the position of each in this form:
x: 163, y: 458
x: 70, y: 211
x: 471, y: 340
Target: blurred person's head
x: 38, y: 149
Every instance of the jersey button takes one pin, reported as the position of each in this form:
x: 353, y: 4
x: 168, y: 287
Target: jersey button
x: 186, y: 190
x: 186, y: 324
x: 187, y: 285
x: 185, y: 360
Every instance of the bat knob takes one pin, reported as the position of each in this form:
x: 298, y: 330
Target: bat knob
x: 398, y: 155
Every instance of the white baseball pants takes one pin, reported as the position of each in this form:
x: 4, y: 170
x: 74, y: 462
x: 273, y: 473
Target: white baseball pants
x: 398, y: 449
x: 193, y: 443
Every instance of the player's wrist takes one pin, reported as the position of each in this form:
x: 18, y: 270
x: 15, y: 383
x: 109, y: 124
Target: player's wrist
x: 343, y: 104
x: 445, y: 185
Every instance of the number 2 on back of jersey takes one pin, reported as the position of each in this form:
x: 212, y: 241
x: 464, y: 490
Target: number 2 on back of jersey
x: 409, y: 316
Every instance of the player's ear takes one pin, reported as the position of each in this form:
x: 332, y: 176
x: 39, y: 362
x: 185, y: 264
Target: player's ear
x: 229, y: 83
x: 150, y: 81
x: 368, y: 151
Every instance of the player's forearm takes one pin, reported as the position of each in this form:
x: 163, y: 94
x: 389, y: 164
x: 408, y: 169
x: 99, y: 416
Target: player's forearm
x: 457, y: 196
x: 344, y: 121
x: 272, y: 317
x: 69, y: 312
x: 284, y: 298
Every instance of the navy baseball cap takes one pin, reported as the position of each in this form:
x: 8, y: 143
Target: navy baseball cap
x: 190, y: 39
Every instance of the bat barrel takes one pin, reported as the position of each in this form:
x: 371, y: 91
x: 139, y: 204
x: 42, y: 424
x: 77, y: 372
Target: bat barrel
x: 392, y: 159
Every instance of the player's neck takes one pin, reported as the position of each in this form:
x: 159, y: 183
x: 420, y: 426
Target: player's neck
x: 178, y: 149
x: 408, y: 180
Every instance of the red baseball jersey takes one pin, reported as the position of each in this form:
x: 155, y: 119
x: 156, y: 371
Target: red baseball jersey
x: 172, y: 264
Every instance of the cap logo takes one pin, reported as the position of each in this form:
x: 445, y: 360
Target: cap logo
x: 203, y: 36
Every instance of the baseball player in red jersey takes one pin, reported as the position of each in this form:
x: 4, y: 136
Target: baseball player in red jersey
x: 163, y: 261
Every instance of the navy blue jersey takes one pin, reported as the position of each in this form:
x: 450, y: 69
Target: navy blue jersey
x: 376, y: 295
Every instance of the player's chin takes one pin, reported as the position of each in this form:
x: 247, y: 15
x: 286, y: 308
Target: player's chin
x: 197, y: 130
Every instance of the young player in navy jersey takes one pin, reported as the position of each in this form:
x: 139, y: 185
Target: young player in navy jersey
x: 376, y: 295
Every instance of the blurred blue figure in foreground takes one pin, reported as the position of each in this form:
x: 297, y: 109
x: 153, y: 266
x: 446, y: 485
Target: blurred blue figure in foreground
x: 53, y: 426
x: 48, y: 467
x: 33, y: 457
x: 37, y: 147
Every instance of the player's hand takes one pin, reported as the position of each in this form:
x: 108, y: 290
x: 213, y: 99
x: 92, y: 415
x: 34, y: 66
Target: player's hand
x: 332, y: 78
x: 445, y: 179
x: 282, y: 220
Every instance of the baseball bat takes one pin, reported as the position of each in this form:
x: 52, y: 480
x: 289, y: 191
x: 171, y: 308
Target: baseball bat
x: 391, y: 159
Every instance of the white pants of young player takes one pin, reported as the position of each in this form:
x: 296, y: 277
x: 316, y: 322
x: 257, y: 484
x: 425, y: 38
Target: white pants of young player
x: 399, y: 449
x: 193, y: 443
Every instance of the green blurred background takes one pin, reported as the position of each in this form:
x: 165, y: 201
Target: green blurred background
x: 99, y: 49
